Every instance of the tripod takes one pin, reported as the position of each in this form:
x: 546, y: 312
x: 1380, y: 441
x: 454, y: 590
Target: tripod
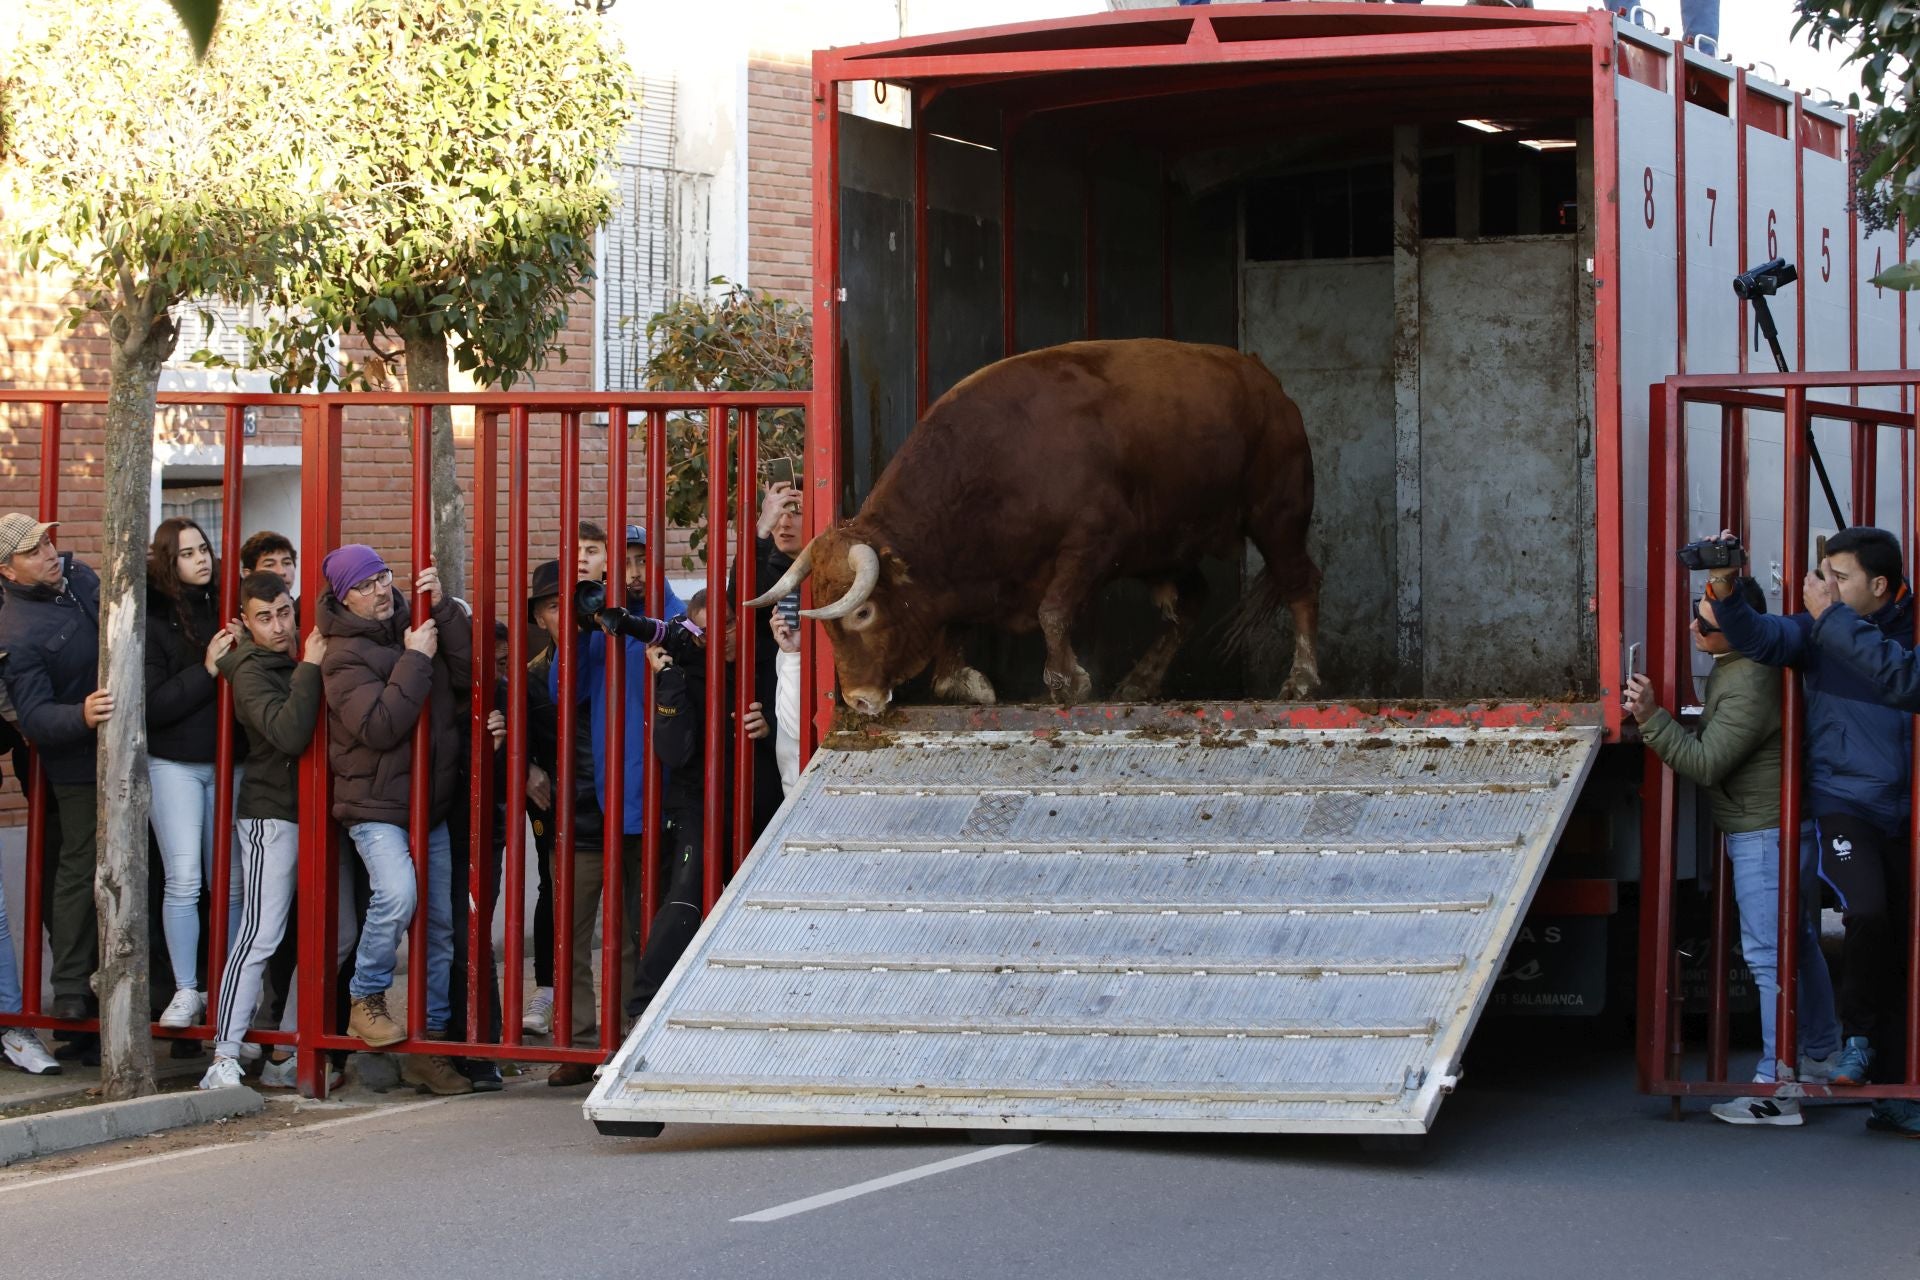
x: 1763, y: 318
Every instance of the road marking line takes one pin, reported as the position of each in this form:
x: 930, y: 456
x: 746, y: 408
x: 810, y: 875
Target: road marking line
x: 826, y: 1198
x: 25, y: 1181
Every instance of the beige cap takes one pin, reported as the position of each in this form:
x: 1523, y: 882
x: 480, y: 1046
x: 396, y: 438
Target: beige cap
x: 21, y: 532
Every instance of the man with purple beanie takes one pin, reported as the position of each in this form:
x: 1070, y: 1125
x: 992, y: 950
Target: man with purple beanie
x: 381, y: 674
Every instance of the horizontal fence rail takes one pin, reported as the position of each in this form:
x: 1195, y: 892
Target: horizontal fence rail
x: 1800, y: 399
x: 494, y: 808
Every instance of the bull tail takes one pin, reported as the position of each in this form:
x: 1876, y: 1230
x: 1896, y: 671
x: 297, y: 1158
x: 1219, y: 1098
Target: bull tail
x: 1263, y: 598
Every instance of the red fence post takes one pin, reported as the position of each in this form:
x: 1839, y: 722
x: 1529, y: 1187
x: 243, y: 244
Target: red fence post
x: 714, y: 753
x: 480, y: 753
x: 566, y: 688
x: 39, y: 794
x: 319, y: 850
x: 656, y: 477
x: 1793, y: 564
x: 1910, y: 513
x: 613, y: 922
x: 1664, y: 485
x: 232, y: 481
x: 746, y: 670
x: 420, y: 795
x: 512, y: 998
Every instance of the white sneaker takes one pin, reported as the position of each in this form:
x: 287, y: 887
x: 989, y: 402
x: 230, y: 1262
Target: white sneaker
x: 184, y: 1009
x: 1780, y: 1111
x: 224, y: 1073
x: 25, y: 1051
x: 249, y: 1051
x: 539, y: 1016
x: 278, y: 1075
x: 1818, y: 1070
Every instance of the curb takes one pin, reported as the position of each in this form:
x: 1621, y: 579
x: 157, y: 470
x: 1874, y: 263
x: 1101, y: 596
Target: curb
x: 30, y: 1136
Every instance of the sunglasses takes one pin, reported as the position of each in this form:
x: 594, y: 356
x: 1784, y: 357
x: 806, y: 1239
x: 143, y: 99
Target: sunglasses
x: 1706, y: 628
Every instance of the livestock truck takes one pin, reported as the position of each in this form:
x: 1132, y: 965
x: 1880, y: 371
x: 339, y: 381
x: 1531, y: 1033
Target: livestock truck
x: 1474, y: 244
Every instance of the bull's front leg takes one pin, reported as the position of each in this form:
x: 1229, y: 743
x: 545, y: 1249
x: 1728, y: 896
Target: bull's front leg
x: 954, y: 680
x: 1066, y: 679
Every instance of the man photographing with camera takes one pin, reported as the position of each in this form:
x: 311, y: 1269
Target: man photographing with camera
x: 1735, y: 760
x: 1858, y: 766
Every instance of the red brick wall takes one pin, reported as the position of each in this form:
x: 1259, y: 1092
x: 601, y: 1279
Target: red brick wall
x: 779, y: 185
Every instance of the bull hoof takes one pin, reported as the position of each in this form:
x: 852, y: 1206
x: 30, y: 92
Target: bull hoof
x: 966, y: 685
x: 1137, y: 691
x: 1301, y: 686
x: 1069, y: 687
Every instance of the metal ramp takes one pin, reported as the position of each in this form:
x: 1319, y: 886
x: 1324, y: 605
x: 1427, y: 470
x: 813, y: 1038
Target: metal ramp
x: 1268, y: 931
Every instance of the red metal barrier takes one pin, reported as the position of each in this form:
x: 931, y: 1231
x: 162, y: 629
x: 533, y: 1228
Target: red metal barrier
x: 1661, y: 1045
x: 325, y: 460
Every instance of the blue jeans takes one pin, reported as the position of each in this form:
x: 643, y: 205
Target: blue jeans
x: 183, y: 820
x: 10, y: 998
x: 1755, y: 856
x: 383, y: 848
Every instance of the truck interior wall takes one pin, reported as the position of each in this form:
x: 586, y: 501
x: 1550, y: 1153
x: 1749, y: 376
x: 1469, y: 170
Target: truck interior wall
x: 1499, y: 465
x: 963, y: 262
x: 876, y: 320
x: 1325, y: 328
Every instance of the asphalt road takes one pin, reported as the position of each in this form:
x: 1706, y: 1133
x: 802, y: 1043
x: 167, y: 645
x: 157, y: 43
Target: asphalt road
x: 1542, y: 1169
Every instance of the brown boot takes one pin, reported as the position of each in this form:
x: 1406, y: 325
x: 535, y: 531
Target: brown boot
x: 433, y: 1073
x: 568, y: 1074
x: 371, y: 1022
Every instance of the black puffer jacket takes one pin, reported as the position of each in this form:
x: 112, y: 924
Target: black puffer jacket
x: 182, y: 710
x: 50, y: 660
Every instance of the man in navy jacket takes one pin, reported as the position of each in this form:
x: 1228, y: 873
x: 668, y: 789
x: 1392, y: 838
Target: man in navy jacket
x: 50, y: 659
x: 1858, y: 760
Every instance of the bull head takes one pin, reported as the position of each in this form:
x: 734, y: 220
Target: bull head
x: 879, y: 637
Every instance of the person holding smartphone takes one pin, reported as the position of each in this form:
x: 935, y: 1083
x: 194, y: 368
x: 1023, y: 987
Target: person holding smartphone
x: 1735, y: 759
x: 1859, y: 765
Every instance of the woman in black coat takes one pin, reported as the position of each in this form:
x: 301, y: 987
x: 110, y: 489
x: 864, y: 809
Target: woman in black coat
x: 184, y: 640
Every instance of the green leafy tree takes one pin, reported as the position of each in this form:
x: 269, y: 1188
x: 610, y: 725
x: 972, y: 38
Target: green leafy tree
x: 474, y: 138
x: 741, y: 340
x: 1882, y: 38
x: 149, y: 179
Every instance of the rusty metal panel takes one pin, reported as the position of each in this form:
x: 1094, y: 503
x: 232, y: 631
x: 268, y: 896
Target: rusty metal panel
x: 1500, y: 469
x: 1261, y: 931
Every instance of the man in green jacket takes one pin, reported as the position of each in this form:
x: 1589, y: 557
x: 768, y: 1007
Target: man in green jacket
x: 1735, y: 759
x: 277, y: 698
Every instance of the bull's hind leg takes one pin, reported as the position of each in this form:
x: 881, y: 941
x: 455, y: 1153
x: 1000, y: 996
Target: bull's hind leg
x: 1179, y: 602
x: 954, y: 680
x: 1293, y: 579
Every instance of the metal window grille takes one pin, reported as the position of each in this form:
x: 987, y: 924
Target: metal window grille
x: 656, y: 246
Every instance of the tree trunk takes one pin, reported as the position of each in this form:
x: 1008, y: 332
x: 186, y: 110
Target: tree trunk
x: 143, y: 337
x: 427, y: 371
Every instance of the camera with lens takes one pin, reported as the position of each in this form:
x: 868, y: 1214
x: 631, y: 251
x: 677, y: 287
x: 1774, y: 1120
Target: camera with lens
x: 1766, y: 279
x: 680, y: 638
x: 1713, y: 553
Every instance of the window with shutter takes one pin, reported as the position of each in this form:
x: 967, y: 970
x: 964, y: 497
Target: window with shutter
x: 655, y: 247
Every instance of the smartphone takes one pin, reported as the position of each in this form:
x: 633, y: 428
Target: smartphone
x: 789, y: 607
x: 780, y: 471
x: 1820, y: 557
x: 1633, y: 661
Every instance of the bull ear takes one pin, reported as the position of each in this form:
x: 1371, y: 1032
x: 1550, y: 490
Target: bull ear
x: 789, y: 581
x: 866, y: 576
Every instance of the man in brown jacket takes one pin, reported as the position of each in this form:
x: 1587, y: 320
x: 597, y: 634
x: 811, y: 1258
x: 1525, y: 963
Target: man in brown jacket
x: 381, y: 675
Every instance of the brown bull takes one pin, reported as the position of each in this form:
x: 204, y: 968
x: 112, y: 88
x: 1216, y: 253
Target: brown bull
x: 1042, y: 477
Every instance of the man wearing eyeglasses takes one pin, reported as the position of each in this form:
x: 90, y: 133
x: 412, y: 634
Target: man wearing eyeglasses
x: 381, y: 674
x: 1735, y: 759
x: 1859, y: 764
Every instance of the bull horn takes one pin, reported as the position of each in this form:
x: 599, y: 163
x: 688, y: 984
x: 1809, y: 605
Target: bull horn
x: 866, y: 575
x: 789, y: 581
